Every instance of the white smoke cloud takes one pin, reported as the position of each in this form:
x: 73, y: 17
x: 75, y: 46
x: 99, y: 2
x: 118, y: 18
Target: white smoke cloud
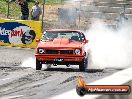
x: 109, y: 49
x: 31, y: 62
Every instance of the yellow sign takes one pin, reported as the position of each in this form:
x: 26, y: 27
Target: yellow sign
x: 19, y: 33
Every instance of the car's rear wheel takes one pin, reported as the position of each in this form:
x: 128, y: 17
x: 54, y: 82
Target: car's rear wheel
x: 38, y: 65
x: 83, y: 65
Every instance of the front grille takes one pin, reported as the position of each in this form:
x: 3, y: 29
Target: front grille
x: 51, y: 52
x: 66, y: 52
x: 59, y: 51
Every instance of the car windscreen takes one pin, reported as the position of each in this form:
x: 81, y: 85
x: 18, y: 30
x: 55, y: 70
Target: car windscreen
x: 73, y: 36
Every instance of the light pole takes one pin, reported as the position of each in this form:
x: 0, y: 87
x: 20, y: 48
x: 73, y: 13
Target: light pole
x: 43, y: 16
x: 8, y: 6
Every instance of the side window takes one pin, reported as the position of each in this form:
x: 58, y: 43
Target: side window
x: 82, y: 37
x: 75, y: 36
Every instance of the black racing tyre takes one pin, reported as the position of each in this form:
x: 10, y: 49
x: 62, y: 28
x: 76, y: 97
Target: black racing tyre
x: 80, y: 91
x: 83, y: 65
x: 38, y: 65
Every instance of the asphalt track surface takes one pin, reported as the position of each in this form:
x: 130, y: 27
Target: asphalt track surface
x: 17, y: 82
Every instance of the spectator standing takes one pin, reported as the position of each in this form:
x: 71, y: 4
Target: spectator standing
x: 36, y: 11
x: 24, y: 9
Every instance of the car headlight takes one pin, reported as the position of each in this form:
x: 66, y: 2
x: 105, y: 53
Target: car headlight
x: 41, y: 51
x: 78, y: 51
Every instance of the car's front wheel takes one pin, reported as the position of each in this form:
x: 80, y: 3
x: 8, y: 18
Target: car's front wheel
x: 38, y: 65
x: 83, y: 65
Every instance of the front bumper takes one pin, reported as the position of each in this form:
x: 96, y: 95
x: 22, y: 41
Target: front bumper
x: 66, y: 58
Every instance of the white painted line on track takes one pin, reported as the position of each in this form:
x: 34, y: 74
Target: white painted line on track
x: 11, y: 97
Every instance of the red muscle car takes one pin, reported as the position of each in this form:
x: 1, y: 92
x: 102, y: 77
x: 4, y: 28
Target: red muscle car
x: 62, y: 47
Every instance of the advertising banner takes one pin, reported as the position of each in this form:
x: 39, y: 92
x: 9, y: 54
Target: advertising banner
x: 19, y: 33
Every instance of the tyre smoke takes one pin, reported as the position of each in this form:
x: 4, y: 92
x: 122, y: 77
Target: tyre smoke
x: 109, y: 48
x: 31, y: 62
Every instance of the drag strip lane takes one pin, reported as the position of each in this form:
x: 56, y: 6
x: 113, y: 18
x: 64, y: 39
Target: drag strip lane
x: 26, y: 82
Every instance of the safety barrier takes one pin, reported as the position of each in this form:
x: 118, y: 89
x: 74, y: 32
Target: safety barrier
x: 19, y: 33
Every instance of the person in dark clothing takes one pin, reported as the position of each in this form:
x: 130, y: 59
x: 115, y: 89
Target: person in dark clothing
x: 24, y: 9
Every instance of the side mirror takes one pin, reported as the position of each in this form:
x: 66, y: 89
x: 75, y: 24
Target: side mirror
x: 86, y: 41
x: 37, y: 40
